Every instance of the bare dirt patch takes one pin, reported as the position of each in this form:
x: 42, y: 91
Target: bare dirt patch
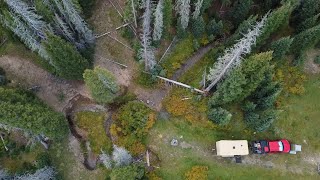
x: 310, y: 67
x: 54, y: 91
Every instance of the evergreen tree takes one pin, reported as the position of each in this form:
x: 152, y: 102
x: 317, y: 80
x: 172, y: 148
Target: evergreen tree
x: 219, y: 116
x: 277, y: 19
x: 102, y: 85
x: 215, y: 28
x: 305, y: 9
x: 22, y: 110
x: 205, y: 5
x: 158, y: 21
x: 281, y: 47
x: 197, y: 8
x: 308, y: 23
x: 243, y: 28
x: 167, y: 16
x: 66, y: 60
x: 240, y: 11
x: 146, y: 52
x: 232, y: 56
x: 242, y: 81
x: 198, y: 27
x: 183, y: 9
x: 304, y: 41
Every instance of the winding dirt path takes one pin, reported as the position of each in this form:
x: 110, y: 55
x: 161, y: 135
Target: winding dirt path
x: 192, y: 61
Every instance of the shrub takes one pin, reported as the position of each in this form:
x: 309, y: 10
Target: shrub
x: 133, y: 118
x: 93, y: 124
x: 197, y: 173
x: 219, y: 116
x: 191, y: 109
x: 132, y: 172
x: 121, y: 156
x: 102, y: 85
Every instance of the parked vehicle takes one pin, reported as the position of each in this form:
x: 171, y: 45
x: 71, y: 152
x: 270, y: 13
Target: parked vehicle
x: 266, y: 146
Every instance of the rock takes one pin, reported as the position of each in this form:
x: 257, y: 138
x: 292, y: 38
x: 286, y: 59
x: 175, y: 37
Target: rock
x: 174, y: 142
x: 90, y: 161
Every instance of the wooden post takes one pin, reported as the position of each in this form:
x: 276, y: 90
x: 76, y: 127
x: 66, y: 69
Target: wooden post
x: 122, y: 65
x: 120, y: 42
x: 148, y: 158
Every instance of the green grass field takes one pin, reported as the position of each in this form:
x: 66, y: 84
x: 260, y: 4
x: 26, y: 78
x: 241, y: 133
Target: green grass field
x: 298, y: 121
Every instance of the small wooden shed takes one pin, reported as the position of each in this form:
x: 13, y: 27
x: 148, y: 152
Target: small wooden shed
x: 231, y: 148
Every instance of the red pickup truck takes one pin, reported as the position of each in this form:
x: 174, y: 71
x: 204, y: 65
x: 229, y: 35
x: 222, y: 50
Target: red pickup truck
x: 265, y: 146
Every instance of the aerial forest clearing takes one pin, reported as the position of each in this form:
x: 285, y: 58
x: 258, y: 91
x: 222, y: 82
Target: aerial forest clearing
x: 141, y: 89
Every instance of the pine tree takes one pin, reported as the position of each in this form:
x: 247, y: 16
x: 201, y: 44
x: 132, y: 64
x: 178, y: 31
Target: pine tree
x: 243, y: 28
x: 43, y: 173
x: 198, y: 27
x: 219, y: 116
x: 66, y: 60
x: 243, y: 81
x: 281, y: 47
x: 215, y: 28
x: 305, y: 9
x: 183, y: 9
x: 28, y: 14
x: 72, y: 14
x: 240, y: 10
x: 146, y: 53
x: 197, y: 9
x: 304, y: 41
x: 167, y: 16
x: 232, y: 57
x: 102, y: 85
x: 277, y: 19
x: 121, y: 156
x: 308, y: 23
x: 158, y: 21
x: 205, y: 5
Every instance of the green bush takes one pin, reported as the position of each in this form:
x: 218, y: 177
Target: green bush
x: 102, y: 85
x: 133, y: 118
x: 87, y: 7
x: 215, y: 28
x: 131, y: 172
x: 219, y: 116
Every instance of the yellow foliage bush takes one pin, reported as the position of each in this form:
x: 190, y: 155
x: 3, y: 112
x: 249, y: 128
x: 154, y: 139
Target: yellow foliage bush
x: 292, y: 79
x: 181, y: 102
x: 197, y: 173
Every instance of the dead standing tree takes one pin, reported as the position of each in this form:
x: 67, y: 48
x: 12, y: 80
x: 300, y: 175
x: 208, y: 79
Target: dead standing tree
x: 146, y: 53
x: 233, y: 56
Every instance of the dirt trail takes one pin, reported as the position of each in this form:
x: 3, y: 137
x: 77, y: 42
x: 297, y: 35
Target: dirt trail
x: 192, y: 61
x: 54, y: 91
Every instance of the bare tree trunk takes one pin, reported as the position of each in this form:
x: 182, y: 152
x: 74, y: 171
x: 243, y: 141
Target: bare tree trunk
x: 167, y: 50
x: 134, y: 14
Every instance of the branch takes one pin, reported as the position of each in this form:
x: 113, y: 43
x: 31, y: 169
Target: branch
x: 167, y: 50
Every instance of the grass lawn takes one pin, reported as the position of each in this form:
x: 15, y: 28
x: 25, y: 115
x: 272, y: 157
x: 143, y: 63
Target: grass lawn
x: 300, y: 118
x: 176, y: 161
